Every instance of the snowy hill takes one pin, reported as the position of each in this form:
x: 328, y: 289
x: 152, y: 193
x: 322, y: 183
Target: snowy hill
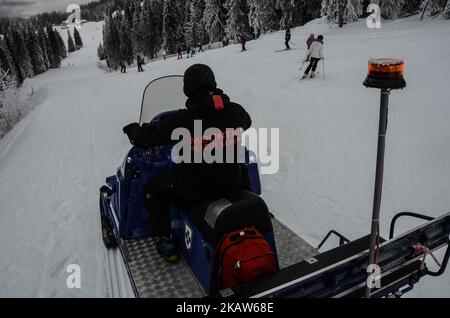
x: 53, y: 162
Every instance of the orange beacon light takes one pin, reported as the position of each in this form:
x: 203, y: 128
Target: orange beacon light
x: 386, y: 73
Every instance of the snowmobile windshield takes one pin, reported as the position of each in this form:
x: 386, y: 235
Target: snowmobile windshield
x: 162, y: 95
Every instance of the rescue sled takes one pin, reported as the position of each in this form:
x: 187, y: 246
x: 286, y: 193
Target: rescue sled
x: 301, y: 270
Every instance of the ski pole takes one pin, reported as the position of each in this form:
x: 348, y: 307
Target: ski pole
x: 304, y: 60
x: 323, y: 65
x: 295, y: 44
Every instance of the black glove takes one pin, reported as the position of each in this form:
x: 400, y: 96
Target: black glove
x: 133, y: 131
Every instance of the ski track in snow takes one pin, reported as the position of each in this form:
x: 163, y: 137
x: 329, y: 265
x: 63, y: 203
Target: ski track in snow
x: 53, y: 162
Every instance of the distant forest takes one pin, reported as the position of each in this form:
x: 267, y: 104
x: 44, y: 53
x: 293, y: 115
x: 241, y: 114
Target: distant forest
x: 149, y: 26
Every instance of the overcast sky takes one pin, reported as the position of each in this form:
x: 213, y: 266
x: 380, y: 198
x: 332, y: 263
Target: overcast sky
x: 24, y: 8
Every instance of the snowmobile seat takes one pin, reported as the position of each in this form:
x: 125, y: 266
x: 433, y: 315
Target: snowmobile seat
x: 217, y: 216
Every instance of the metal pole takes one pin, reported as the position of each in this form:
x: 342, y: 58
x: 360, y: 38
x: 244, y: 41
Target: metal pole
x: 378, y: 180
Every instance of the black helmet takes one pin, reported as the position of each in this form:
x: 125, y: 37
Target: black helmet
x: 199, y: 80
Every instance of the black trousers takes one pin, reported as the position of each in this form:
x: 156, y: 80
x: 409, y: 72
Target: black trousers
x: 312, y: 65
x: 162, y: 189
x: 158, y: 191
x: 140, y: 69
x: 123, y: 69
x: 287, y: 45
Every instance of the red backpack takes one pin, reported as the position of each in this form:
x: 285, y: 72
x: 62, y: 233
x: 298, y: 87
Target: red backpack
x: 243, y: 256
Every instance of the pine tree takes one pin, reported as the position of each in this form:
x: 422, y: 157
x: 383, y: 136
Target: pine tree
x: 53, y: 48
x: 111, y: 41
x: 171, y: 26
x: 20, y: 55
x: 37, y: 56
x: 287, y: 8
x: 198, y: 9
x: 189, y: 31
x: 237, y: 22
x: 150, y: 27
x: 6, y: 59
x: 391, y: 9
x: 262, y: 16
x: 42, y: 36
x: 136, y: 32
x: 411, y: 7
x: 70, y: 44
x: 214, y: 20
x: 446, y: 13
x: 126, y: 45
x: 62, y: 50
x: 77, y: 38
x: 342, y: 11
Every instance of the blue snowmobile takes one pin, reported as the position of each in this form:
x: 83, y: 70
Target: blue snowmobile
x: 301, y: 270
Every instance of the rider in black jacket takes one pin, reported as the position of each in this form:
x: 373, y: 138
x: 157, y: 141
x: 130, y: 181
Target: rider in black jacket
x: 191, y: 181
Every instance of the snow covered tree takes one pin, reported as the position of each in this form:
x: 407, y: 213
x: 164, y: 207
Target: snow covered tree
x: 70, y: 44
x: 342, y: 11
x: 411, y: 7
x: 287, y: 8
x: 126, y: 44
x: 391, y: 9
x: 237, y: 22
x: 151, y: 27
x: 262, y: 16
x: 62, y: 51
x: 21, y: 56
x: 189, y: 23
x: 77, y: 38
x: 214, y: 18
x: 199, y: 34
x: 56, y: 48
x: 171, y: 26
x: 6, y: 59
x: 436, y: 7
x: 42, y: 37
x: 446, y: 13
x: 136, y: 32
x: 37, y: 56
x: 111, y: 41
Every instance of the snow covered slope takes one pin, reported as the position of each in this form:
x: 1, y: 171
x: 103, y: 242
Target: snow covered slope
x: 53, y: 162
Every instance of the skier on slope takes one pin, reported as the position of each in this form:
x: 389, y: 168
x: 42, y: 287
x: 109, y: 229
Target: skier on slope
x: 243, y: 41
x: 315, y: 54
x: 310, y: 40
x: 123, y: 65
x: 191, y: 181
x: 140, y: 62
x: 287, y: 38
x: 180, y: 53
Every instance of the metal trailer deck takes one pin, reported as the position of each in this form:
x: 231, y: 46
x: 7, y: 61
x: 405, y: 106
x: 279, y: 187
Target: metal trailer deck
x: 152, y: 277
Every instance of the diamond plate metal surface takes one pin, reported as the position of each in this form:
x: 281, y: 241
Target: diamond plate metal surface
x: 291, y: 248
x: 155, y: 278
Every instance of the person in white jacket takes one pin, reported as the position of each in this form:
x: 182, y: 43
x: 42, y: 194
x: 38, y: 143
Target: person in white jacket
x: 315, y: 54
